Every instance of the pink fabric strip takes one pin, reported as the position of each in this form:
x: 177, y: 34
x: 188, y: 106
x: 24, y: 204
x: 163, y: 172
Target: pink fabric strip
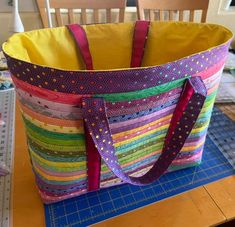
x: 185, y: 161
x: 43, y: 93
x: 81, y: 40
x: 210, y: 71
x: 139, y: 41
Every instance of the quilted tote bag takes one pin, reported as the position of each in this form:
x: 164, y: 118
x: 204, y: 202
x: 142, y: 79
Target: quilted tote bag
x: 108, y: 104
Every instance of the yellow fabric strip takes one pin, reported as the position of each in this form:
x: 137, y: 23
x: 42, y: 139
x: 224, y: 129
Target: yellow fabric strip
x: 129, y: 132
x: 58, y: 164
x: 196, y: 130
x: 140, y: 136
x: 59, y: 178
x: 191, y: 148
x: 53, y: 128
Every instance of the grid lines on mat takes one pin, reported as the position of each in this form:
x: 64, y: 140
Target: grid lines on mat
x: 106, y: 203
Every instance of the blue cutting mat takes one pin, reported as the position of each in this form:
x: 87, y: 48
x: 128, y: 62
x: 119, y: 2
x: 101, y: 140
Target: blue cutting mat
x: 106, y: 203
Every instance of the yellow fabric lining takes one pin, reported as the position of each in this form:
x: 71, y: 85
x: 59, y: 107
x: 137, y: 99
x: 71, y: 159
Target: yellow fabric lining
x: 111, y: 44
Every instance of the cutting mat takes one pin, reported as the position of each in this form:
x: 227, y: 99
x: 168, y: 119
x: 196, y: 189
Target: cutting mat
x: 98, y: 206
x: 226, y: 92
x: 7, y: 108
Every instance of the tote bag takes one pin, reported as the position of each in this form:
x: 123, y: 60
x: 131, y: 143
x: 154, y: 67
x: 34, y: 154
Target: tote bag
x: 108, y: 104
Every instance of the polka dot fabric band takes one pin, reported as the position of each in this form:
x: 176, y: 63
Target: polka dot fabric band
x: 102, y: 82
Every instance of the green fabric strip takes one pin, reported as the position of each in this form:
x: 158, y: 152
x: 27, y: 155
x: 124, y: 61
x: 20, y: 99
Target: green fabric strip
x: 56, y: 168
x: 59, y: 142
x: 65, y: 158
x: 54, y: 146
x: 55, y: 153
x: 54, y: 135
x: 128, y: 96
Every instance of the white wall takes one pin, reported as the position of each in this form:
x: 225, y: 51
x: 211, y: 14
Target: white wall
x: 31, y: 18
x: 217, y: 14
x: 24, y: 6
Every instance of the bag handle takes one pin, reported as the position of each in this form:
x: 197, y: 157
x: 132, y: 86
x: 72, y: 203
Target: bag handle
x: 185, y: 114
x: 97, y: 127
x: 139, y: 41
x: 81, y: 40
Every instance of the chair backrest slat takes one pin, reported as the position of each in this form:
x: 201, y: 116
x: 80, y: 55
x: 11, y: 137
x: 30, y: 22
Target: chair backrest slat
x: 181, y: 15
x: 58, y: 17
x: 121, y: 14
x: 85, y: 6
x: 191, y: 15
x: 96, y: 15
x: 43, y: 14
x: 171, y: 6
x: 71, y: 16
x: 108, y: 15
x: 171, y: 12
x: 203, y: 18
x: 83, y: 15
x: 161, y: 15
x: 151, y: 14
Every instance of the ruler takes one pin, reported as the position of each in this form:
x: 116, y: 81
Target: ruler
x: 7, y: 109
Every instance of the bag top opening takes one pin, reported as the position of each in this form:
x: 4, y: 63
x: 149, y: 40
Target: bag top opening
x: 111, y: 44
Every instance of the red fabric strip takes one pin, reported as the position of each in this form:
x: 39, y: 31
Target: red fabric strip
x: 66, y: 98
x: 82, y: 43
x: 210, y: 71
x: 139, y: 40
x: 93, y: 156
x: 93, y: 163
x: 186, y: 95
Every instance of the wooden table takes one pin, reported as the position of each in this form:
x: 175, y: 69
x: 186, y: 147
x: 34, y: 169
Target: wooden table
x: 204, y: 206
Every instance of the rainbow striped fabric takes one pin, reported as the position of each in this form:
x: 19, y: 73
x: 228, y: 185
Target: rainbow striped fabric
x: 139, y: 115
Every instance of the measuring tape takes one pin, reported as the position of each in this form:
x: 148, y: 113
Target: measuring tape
x: 7, y: 109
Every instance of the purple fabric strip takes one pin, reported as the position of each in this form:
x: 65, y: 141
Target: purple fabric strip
x: 94, y: 112
x: 101, y: 82
x: 3, y: 171
x: 142, y: 105
x: 140, y: 123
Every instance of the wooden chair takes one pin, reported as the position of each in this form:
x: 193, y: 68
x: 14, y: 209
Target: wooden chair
x: 83, y: 5
x: 171, y: 6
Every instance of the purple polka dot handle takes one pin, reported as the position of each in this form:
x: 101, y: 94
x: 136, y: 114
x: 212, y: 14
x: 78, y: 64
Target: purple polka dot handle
x: 95, y: 119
